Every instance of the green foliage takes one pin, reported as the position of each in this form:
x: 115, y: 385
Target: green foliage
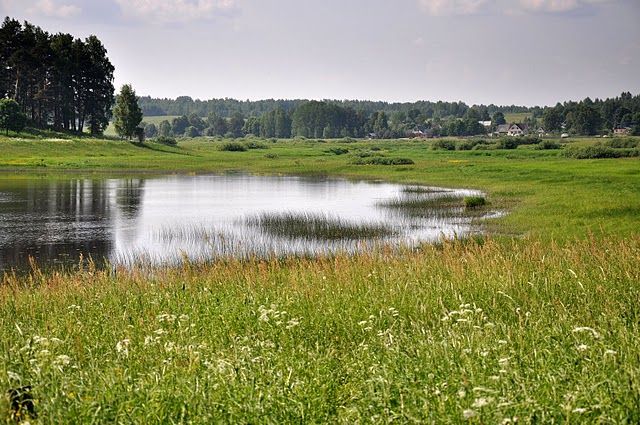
x: 548, y: 145
x: 233, y: 147
x: 179, y: 125
x: 11, y: 117
x: 381, y: 160
x: 599, y: 151
x: 474, y: 201
x: 444, y: 144
x: 252, y: 144
x: 164, y: 129
x: 166, y: 140
x: 126, y: 112
x: 620, y: 142
x: 317, y: 227
x: 191, y: 131
x: 337, y: 150
x: 57, y: 80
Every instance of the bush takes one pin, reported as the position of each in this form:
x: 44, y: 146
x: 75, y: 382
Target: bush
x: 191, y: 131
x: 337, y: 151
x: 255, y: 145
x: 548, y: 144
x: 507, y: 143
x: 622, y: 143
x: 233, y: 147
x: 164, y: 140
x: 599, y: 151
x: 380, y: 160
x: 448, y: 145
x: 271, y: 155
x: 474, y: 201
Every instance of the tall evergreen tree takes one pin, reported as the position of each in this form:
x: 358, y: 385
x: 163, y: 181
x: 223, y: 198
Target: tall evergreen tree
x: 127, y: 114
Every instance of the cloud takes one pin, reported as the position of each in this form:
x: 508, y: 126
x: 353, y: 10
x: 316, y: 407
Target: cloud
x: 452, y: 7
x: 52, y: 9
x: 176, y: 11
x: 500, y: 7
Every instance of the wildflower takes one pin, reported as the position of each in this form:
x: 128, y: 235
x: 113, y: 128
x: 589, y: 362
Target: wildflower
x: 610, y: 353
x: 62, y: 360
x: 394, y: 312
x: 40, y: 340
x: 363, y: 322
x: 592, y: 331
x: 504, y: 361
x: 482, y: 401
x: 462, y: 393
x: 122, y: 347
x: 468, y: 413
x: 13, y: 376
x: 583, y: 347
x: 579, y: 410
x: 292, y: 323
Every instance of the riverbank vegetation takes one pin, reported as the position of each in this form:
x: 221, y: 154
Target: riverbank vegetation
x: 535, y: 321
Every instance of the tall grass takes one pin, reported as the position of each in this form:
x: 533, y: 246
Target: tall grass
x: 460, y: 331
x: 318, y: 227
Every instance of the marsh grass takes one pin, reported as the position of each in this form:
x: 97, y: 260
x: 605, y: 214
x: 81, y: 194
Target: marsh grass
x: 417, y: 204
x: 489, y: 331
x: 318, y: 227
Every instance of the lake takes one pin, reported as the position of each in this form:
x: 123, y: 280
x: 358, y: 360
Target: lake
x: 165, y: 219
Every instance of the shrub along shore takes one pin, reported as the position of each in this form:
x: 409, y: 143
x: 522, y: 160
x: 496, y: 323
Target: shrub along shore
x: 538, y: 321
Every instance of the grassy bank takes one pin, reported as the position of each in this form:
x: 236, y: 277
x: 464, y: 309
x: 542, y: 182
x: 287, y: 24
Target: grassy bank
x: 537, y: 324
x: 489, y: 332
x: 548, y: 195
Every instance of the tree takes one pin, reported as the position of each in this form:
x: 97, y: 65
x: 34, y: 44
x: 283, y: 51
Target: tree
x: 11, y: 118
x: 127, y: 114
x: 150, y: 131
x: 179, y: 125
x: 164, y: 129
x: 236, y: 124
x: 191, y: 131
x: 498, y: 119
x: 552, y: 118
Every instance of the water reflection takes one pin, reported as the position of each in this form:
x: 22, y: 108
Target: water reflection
x: 163, y: 219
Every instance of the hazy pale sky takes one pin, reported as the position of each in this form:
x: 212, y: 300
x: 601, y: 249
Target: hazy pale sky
x: 478, y: 51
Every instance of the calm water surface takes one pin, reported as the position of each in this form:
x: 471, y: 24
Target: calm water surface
x: 164, y: 219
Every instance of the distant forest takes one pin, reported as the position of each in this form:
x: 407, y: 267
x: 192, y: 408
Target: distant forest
x: 331, y: 119
x: 66, y: 84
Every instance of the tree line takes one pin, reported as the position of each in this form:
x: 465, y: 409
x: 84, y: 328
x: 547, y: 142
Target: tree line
x: 591, y: 117
x: 320, y: 119
x: 58, y: 81
x: 226, y: 108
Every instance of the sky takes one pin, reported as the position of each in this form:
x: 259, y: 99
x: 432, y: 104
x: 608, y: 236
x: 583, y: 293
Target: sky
x: 524, y: 52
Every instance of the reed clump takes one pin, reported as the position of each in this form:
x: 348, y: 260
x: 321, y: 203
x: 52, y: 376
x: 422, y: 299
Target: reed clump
x: 318, y: 227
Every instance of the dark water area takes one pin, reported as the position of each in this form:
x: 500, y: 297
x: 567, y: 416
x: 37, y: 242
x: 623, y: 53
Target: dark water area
x: 164, y: 219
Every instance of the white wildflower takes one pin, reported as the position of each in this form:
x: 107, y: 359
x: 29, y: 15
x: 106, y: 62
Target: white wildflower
x: 40, y: 340
x: 159, y: 332
x: 293, y: 323
x: 610, y: 353
x: 504, y: 362
x: 481, y: 402
x: 587, y: 330
x: 62, y: 360
x: 13, y: 376
x: 468, y: 413
x: 122, y: 347
x: 363, y: 322
x: 462, y: 393
x: 582, y: 347
x: 394, y: 312
x: 579, y: 410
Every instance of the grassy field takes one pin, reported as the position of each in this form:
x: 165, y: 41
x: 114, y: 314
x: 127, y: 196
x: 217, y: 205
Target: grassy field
x: 538, y: 322
x: 516, y: 116
x: 111, y: 130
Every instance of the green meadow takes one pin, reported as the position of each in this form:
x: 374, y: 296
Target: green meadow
x: 538, y: 321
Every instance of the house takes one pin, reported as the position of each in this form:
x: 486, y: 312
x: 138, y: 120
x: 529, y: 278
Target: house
x: 541, y: 132
x: 502, y: 130
x: 416, y: 134
x: 622, y: 131
x: 517, y: 129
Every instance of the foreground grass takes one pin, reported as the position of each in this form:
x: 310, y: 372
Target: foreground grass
x: 492, y: 332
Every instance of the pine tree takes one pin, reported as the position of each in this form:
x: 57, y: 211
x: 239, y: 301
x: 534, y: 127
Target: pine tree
x: 127, y: 114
